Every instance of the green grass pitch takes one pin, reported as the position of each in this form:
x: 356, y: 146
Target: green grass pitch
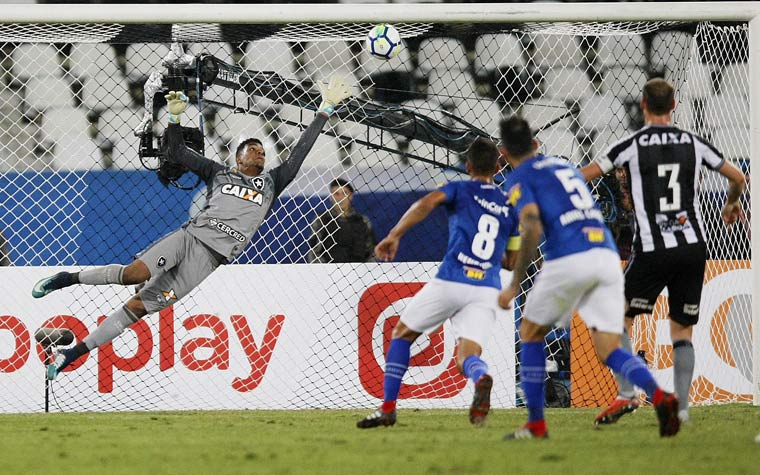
x: 719, y: 440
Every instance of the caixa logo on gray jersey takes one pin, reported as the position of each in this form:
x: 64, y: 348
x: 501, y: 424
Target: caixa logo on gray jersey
x: 237, y: 235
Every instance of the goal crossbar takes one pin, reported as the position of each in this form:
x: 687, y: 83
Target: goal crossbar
x: 321, y: 13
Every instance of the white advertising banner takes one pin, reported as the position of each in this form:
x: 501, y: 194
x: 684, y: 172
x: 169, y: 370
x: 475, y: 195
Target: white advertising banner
x: 251, y: 336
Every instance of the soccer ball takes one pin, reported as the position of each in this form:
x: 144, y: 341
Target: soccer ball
x: 383, y: 41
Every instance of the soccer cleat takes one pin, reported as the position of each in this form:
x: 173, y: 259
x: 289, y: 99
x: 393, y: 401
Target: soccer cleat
x: 481, y: 401
x: 667, y: 414
x: 376, y: 419
x: 526, y: 432
x: 616, y: 410
x: 683, y: 416
x: 62, y: 359
x: 49, y: 284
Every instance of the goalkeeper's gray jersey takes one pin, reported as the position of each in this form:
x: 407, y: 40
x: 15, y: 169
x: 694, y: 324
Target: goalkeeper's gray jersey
x: 236, y: 204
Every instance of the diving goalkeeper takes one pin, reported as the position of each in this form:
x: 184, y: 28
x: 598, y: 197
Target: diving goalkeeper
x: 238, y: 201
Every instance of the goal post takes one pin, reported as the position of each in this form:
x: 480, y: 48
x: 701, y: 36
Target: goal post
x: 275, y: 329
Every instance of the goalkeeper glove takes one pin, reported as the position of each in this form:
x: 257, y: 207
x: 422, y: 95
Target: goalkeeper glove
x: 333, y: 93
x: 176, y: 102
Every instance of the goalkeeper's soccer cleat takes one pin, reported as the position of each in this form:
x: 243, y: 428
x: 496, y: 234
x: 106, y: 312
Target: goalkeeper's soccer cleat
x: 63, y: 358
x: 481, y: 401
x: 616, y: 410
x: 49, y: 284
x: 667, y: 414
x: 531, y: 430
x: 377, y: 419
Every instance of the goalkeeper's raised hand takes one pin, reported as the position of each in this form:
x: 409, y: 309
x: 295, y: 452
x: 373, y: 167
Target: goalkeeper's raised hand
x: 333, y: 93
x: 176, y: 102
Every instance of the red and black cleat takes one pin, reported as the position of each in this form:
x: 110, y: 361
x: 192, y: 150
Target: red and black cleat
x: 481, y: 401
x: 377, y: 419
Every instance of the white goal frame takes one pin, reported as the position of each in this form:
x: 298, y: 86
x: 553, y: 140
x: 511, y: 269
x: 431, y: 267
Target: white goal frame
x: 448, y: 13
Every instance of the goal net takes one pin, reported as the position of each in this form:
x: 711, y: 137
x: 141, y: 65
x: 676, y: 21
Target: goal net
x: 288, y: 326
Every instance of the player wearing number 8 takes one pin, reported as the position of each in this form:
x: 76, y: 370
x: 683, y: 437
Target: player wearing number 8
x: 581, y: 271
x: 481, y: 228
x: 669, y: 248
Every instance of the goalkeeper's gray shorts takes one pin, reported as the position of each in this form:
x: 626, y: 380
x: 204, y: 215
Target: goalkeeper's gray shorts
x: 178, y: 263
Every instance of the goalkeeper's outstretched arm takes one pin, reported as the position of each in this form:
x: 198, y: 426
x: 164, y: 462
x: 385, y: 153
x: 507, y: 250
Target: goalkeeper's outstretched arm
x: 176, y: 150
x: 332, y: 94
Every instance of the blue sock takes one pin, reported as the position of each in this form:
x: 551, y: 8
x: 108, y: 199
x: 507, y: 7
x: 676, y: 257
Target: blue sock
x: 633, y: 369
x: 396, y: 363
x: 474, y: 367
x: 532, y: 378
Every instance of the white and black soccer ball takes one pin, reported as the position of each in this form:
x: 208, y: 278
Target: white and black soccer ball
x: 383, y: 41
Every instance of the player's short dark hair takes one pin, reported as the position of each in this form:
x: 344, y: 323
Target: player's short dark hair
x: 245, y: 143
x: 340, y: 182
x: 658, y: 96
x: 516, y: 136
x: 483, y: 156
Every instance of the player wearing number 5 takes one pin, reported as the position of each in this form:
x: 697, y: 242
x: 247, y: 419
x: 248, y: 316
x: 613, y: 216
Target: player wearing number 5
x: 581, y: 271
x: 669, y: 248
x: 481, y: 228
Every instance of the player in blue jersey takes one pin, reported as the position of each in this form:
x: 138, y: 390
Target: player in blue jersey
x: 481, y: 228
x: 581, y: 271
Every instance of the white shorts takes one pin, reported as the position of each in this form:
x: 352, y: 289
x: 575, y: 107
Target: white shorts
x: 590, y: 282
x: 472, y: 309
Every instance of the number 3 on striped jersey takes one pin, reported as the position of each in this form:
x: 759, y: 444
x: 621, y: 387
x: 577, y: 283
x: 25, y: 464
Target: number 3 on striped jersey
x: 671, y: 171
x: 484, y: 242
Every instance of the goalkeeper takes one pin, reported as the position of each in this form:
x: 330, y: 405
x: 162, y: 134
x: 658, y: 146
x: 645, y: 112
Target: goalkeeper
x: 238, y: 201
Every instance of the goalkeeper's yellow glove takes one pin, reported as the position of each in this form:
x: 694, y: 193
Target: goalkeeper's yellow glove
x: 333, y: 93
x: 176, y: 102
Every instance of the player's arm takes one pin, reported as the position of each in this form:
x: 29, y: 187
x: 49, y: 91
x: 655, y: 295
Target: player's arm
x: 736, y: 184
x: 531, y: 231
x: 420, y: 209
x: 332, y: 94
x: 591, y: 171
x: 176, y: 150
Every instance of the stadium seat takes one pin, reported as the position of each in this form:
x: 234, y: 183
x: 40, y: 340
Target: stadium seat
x: 106, y: 92
x: 142, y: 59
x: 324, y: 59
x: 74, y: 150
x: 683, y: 115
x: 48, y: 91
x: 620, y: 51
x: 270, y: 56
x: 35, y: 60
x: 118, y: 124
x: 699, y: 82
x: 625, y: 83
x: 541, y: 112
x: 450, y: 87
x: 567, y: 84
x: 94, y: 61
x: 560, y: 141
x: 554, y: 51
x: 605, y: 137
x: 726, y: 111
x: 494, y: 50
x: 735, y: 80
x: 602, y: 111
x: 443, y: 54
x: 670, y: 49
x: 482, y: 113
x: 733, y: 142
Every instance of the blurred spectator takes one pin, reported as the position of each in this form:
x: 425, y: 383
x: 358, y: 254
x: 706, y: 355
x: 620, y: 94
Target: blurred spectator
x: 5, y: 256
x: 340, y: 234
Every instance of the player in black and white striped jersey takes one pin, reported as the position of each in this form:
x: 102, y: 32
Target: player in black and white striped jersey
x: 663, y: 163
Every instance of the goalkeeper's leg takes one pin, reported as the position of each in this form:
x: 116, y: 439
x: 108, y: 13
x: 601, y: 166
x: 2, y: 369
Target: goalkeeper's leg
x: 111, y: 327
x: 135, y: 273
